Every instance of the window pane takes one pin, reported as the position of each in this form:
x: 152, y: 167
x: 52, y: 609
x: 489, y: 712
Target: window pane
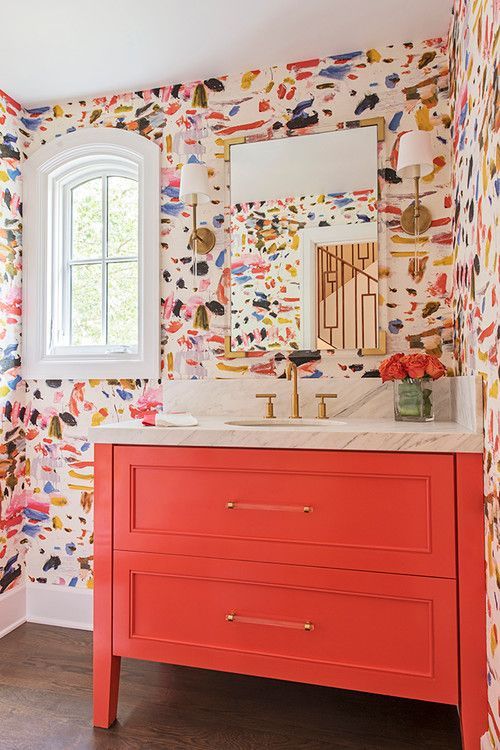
x: 123, y: 213
x: 122, y: 303
x: 87, y: 220
x: 86, y: 304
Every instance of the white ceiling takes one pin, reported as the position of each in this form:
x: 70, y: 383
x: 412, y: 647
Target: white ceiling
x: 57, y: 50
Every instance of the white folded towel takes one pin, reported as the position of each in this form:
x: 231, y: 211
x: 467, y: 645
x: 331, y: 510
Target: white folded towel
x: 170, y: 419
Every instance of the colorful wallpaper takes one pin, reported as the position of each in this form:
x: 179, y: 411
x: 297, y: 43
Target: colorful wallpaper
x: 265, y: 262
x: 476, y: 186
x: 407, y: 84
x: 59, y: 502
x: 12, y: 411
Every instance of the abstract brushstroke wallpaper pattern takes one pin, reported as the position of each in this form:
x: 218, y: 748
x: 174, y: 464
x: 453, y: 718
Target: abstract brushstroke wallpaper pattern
x: 407, y: 84
x: 12, y: 441
x: 265, y: 262
x: 476, y: 184
x: 59, y: 503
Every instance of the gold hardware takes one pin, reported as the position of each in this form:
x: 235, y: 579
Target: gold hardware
x: 269, y: 405
x: 229, y: 354
x: 233, y: 505
x: 228, y: 142
x: 368, y: 122
x: 416, y: 218
x: 202, y: 239
x: 247, y: 620
x: 322, y: 406
x: 291, y: 374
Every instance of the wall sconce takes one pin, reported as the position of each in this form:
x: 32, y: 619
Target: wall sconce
x: 415, y: 160
x: 193, y: 191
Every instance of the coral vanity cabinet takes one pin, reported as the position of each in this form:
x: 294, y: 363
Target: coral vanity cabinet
x: 359, y: 570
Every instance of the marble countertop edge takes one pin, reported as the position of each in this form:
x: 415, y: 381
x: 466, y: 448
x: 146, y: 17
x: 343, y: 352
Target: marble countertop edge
x: 354, y: 435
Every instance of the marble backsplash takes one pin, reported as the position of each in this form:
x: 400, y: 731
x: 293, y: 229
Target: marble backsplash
x: 457, y: 399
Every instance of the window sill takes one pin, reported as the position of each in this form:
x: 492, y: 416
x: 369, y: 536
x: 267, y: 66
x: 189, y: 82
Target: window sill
x: 114, y: 368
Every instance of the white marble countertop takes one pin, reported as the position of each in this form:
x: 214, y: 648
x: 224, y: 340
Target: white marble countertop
x: 354, y: 435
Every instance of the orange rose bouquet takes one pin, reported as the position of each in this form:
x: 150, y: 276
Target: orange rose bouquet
x: 412, y: 366
x: 413, y: 375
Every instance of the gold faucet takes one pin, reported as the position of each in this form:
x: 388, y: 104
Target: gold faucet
x: 291, y: 374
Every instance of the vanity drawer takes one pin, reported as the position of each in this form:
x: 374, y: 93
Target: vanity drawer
x: 375, y: 632
x: 364, y: 511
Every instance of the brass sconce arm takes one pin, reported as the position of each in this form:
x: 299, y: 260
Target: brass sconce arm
x: 416, y: 219
x: 201, y: 239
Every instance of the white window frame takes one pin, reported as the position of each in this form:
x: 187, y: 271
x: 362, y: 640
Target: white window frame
x: 47, y: 178
x: 61, y: 300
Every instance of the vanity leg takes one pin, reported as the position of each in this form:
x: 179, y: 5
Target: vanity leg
x: 106, y: 685
x: 473, y: 705
x: 106, y: 665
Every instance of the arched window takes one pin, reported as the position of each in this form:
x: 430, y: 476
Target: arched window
x: 91, y: 257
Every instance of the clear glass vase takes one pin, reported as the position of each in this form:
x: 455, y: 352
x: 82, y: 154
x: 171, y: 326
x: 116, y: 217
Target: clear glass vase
x: 413, y: 400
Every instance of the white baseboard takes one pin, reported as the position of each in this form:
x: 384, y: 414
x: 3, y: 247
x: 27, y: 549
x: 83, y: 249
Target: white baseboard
x: 12, y: 609
x: 64, y: 606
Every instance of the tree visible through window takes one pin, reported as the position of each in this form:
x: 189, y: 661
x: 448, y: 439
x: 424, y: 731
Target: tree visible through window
x: 102, y: 262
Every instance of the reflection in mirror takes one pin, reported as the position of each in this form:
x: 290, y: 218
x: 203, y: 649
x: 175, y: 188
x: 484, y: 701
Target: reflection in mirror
x: 339, y: 287
x: 304, y: 260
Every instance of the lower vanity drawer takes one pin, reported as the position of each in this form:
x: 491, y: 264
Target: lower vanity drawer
x: 375, y: 632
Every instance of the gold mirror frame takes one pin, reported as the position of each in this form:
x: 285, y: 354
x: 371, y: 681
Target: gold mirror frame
x: 379, y: 123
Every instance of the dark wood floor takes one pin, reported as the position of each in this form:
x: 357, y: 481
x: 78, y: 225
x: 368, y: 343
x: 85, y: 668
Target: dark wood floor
x: 46, y: 696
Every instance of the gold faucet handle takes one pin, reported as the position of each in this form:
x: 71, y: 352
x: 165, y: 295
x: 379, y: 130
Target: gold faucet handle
x: 269, y: 405
x: 322, y: 405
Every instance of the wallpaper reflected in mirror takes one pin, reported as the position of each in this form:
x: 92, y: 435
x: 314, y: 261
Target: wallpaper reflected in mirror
x: 304, y: 259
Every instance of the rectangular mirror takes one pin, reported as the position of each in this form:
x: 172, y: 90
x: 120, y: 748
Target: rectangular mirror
x: 304, y: 252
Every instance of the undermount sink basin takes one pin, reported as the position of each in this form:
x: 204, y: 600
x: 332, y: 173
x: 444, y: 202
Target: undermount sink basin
x: 283, y: 422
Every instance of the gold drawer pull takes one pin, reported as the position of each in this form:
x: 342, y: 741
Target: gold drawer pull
x: 233, y: 505
x: 307, y: 626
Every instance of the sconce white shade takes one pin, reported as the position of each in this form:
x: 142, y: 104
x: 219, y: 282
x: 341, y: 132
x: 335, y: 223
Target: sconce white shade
x: 415, y: 154
x: 194, y: 184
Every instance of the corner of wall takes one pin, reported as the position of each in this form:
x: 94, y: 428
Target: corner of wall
x: 64, y: 606
x: 12, y: 609
x: 12, y: 387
